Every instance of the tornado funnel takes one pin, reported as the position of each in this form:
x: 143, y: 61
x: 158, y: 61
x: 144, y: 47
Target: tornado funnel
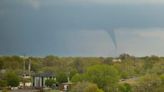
x: 112, y: 35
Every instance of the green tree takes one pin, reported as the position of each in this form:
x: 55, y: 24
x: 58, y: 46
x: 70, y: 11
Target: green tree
x: 149, y: 83
x: 108, y: 60
x: 50, y: 82
x: 78, y: 77
x: 51, y: 60
x: 85, y: 87
x: 162, y: 79
x: 106, y: 77
x: 1, y: 63
x: 12, y: 79
x: 61, y: 77
x: 3, y: 83
x: 125, y: 88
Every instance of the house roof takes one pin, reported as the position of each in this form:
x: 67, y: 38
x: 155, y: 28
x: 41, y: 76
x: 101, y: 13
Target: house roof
x: 67, y: 83
x: 45, y: 74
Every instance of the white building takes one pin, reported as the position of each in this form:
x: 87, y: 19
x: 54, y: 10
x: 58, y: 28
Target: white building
x: 116, y: 60
x: 39, y: 79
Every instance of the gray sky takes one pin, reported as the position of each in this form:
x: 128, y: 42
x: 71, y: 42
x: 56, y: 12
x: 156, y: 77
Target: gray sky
x: 79, y: 27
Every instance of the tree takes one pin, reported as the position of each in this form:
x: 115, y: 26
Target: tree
x: 79, y: 65
x: 78, y: 77
x: 61, y: 77
x: 51, y: 60
x: 85, y: 87
x: 162, y: 78
x: 50, y: 82
x: 12, y: 79
x: 149, y: 83
x: 1, y: 63
x: 3, y: 83
x: 125, y: 56
x: 104, y: 76
x: 108, y: 60
x: 125, y: 88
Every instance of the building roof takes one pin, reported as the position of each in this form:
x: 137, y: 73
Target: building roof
x: 45, y: 74
x: 67, y: 83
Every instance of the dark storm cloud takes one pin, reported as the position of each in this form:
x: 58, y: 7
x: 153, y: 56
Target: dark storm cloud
x: 38, y: 26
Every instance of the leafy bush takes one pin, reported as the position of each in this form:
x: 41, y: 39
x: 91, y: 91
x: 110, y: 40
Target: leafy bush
x: 12, y: 79
x: 125, y: 88
x: 50, y: 82
x: 86, y: 87
x: 61, y: 77
x: 3, y: 83
x: 104, y: 76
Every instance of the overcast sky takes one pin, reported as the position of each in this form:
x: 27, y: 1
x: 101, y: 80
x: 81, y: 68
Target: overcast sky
x: 79, y: 27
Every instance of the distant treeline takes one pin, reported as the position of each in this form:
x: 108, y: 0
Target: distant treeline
x: 132, y: 74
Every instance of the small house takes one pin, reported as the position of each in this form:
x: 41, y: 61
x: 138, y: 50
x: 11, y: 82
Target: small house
x: 116, y: 60
x: 66, y: 86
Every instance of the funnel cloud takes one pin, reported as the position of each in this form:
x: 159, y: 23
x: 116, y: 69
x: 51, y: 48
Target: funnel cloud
x: 112, y: 34
x: 42, y: 27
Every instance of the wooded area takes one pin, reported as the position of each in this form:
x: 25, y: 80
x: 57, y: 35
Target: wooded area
x: 91, y: 74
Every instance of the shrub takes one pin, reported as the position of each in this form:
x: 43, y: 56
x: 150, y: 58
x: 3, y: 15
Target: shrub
x: 86, y: 87
x: 50, y: 82
x: 12, y: 79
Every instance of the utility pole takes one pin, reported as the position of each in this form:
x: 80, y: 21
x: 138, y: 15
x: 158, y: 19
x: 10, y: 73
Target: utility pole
x: 24, y: 71
x: 24, y: 66
x: 29, y: 67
